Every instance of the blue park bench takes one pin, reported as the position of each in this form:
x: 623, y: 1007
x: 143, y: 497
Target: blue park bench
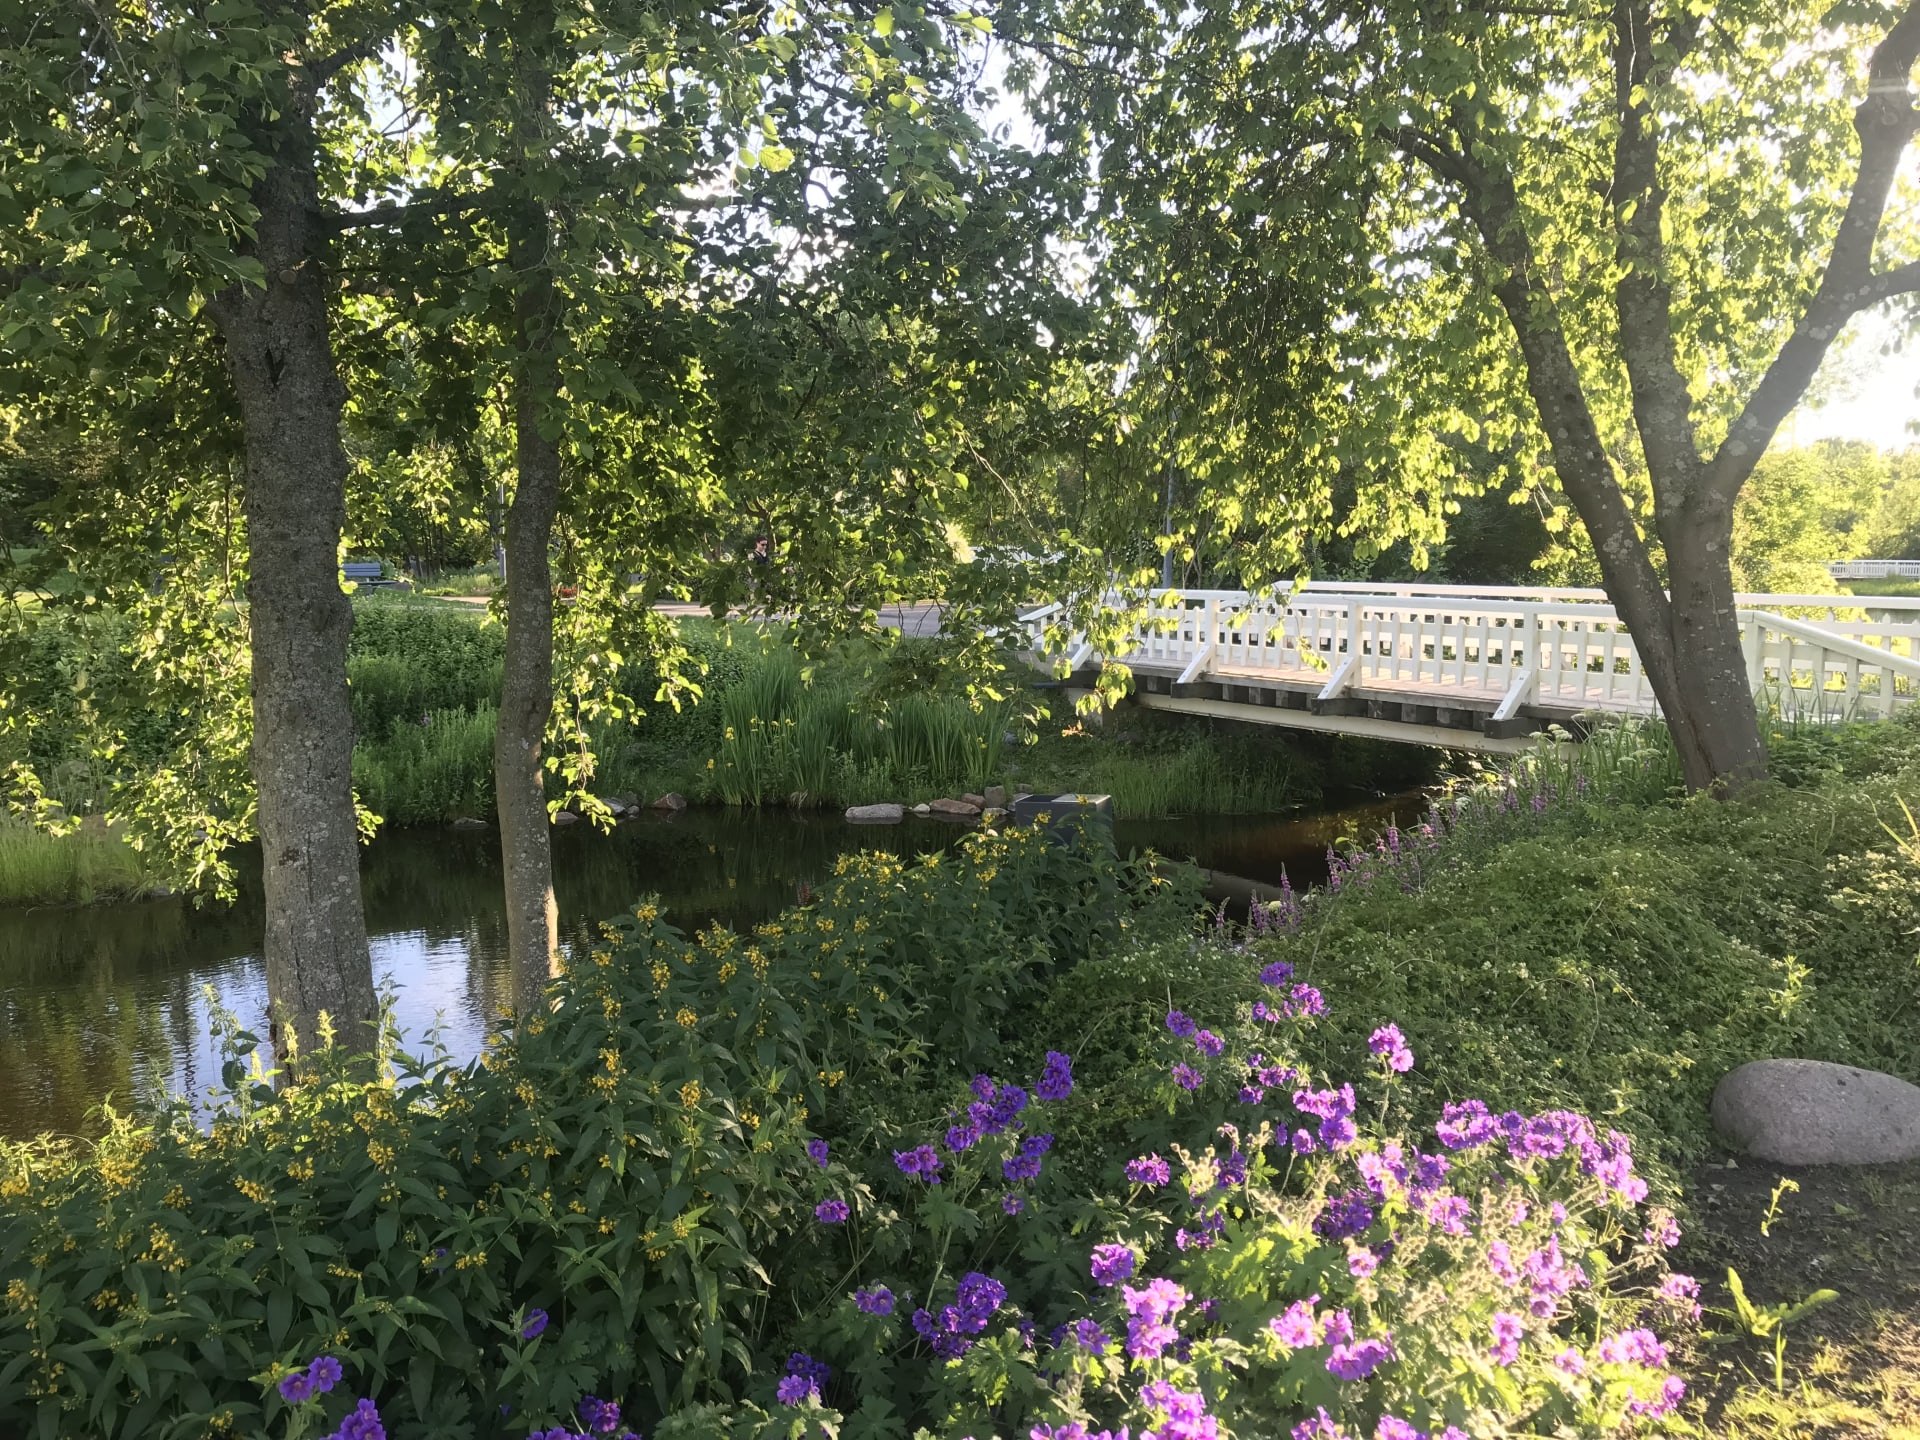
x: 366, y: 572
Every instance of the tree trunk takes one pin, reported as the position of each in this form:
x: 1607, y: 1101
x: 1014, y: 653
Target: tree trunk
x: 526, y: 686
x: 281, y: 361
x: 1714, y: 692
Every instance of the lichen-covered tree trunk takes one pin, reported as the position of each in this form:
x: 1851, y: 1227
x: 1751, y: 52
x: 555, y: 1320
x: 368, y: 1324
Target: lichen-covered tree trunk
x: 526, y: 686
x: 281, y: 362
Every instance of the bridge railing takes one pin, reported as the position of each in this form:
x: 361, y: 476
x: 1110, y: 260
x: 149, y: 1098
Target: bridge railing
x: 1454, y: 644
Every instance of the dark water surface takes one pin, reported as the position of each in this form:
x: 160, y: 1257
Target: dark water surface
x: 109, y: 1000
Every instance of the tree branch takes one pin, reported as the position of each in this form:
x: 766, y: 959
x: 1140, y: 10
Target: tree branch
x: 321, y: 71
x: 434, y: 207
x: 1886, y: 120
x: 1662, y: 405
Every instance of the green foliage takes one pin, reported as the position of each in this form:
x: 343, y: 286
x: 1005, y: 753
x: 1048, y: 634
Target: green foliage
x: 1770, y: 1322
x: 436, y: 769
x: 1803, y: 508
x: 407, y: 658
x: 626, y: 1163
x: 1623, y: 957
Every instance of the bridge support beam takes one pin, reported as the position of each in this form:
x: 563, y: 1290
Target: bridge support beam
x: 1442, y: 736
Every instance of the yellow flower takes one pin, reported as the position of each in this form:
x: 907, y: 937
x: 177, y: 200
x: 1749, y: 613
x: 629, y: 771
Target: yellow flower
x: 690, y: 1094
x: 686, y: 1019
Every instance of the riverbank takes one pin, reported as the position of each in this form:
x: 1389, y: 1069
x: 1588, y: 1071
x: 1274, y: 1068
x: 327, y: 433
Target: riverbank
x: 868, y: 723
x: 1576, y: 940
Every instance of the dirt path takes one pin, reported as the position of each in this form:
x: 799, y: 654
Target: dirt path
x: 1852, y: 1366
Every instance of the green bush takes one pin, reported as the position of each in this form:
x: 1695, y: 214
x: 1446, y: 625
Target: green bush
x: 437, y: 769
x: 626, y: 1164
x: 407, y: 659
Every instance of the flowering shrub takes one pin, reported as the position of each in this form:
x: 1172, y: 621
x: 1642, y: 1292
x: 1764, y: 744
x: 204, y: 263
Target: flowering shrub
x: 604, y: 1203
x: 1306, y: 1267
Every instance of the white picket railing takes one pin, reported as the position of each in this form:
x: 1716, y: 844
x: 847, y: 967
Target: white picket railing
x: 1874, y: 569
x: 1505, y: 649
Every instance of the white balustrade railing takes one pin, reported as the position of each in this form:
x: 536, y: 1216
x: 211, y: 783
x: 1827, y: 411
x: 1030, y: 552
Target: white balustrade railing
x: 1874, y: 569
x: 1507, y: 649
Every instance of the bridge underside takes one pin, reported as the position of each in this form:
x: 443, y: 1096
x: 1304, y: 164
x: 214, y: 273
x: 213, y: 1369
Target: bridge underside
x: 1458, y: 722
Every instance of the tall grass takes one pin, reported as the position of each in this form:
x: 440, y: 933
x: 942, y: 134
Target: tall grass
x: 41, y: 869
x: 786, y: 741
x: 432, y: 771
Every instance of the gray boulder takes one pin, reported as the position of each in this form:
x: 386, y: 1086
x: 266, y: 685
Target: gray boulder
x: 1812, y: 1112
x: 566, y: 817
x: 672, y: 800
x: 876, y: 814
x: 979, y: 802
x: 954, y: 809
x: 467, y: 822
x: 996, y: 797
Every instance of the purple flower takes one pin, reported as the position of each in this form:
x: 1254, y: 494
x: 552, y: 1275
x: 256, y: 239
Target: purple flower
x: 1276, y: 974
x: 922, y: 1160
x: 830, y: 1212
x: 1500, y: 1262
x: 1295, y: 1327
x: 1447, y: 1213
x: 1149, y: 1330
x: 1251, y: 1095
x: 1303, y: 1001
x: 1338, y: 1328
x: 1362, y: 1262
x: 536, y: 1325
x: 1149, y: 1170
x: 1392, y: 1427
x: 1552, y: 1277
x: 362, y: 1423
x: 1185, y: 1076
x: 1570, y: 1361
x: 1208, y: 1043
x: 1180, y: 1025
x: 961, y: 1137
x: 1664, y: 1231
x: 1672, y: 1391
x: 997, y: 1107
x: 817, y: 1152
x: 877, y: 1301
x: 1011, y: 1203
x: 1056, y: 1079
x: 1507, y: 1330
x: 601, y: 1417
x: 1359, y: 1360
x: 1186, y: 1412
x: 950, y: 1332
x: 1321, y: 1426
x: 1465, y: 1125
x: 1326, y: 1104
x: 1391, y: 1046
x: 1024, y: 1163
x: 1684, y: 1291
x: 1088, y: 1335
x: 1112, y: 1264
x: 323, y: 1374
x: 296, y: 1389
x: 1344, y: 1216
x: 804, y: 1377
x: 1233, y: 1171
x: 1633, y: 1347
x: 1302, y: 1143
x: 795, y: 1390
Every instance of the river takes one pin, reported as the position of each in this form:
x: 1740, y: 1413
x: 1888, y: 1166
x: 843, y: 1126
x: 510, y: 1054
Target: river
x: 106, y: 1001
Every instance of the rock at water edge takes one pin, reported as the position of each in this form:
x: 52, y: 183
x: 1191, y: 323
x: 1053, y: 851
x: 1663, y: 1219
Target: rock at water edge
x: 1813, y: 1112
x: 672, y: 800
x: 876, y: 814
x: 996, y: 797
x: 566, y: 817
x: 979, y: 802
x: 955, y: 809
x: 467, y: 822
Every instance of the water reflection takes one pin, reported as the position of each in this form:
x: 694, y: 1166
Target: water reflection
x: 108, y: 1000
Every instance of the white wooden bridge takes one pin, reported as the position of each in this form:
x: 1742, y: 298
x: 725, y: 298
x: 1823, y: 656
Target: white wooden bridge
x: 1480, y: 668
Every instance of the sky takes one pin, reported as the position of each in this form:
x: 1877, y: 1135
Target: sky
x: 1867, y: 390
